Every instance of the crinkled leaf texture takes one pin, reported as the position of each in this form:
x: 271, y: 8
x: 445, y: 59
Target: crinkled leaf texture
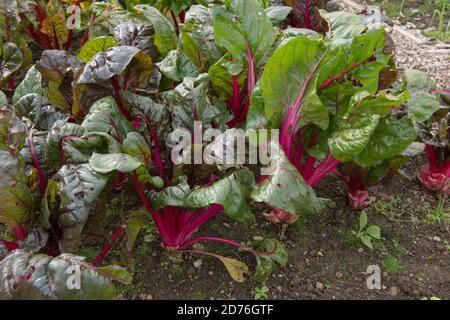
x: 165, y: 36
x: 242, y: 28
x: 11, y: 59
x: 15, y: 203
x: 285, y: 188
x: 24, y: 275
x: 233, y: 192
x: 422, y: 103
x: 79, y: 186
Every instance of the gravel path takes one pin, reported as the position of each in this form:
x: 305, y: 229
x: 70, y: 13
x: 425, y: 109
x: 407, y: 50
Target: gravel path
x: 433, y: 59
x: 413, y: 50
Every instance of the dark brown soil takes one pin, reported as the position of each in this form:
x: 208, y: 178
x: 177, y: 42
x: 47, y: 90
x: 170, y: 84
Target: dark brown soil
x: 325, y: 260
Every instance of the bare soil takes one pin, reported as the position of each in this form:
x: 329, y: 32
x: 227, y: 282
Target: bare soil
x: 325, y: 260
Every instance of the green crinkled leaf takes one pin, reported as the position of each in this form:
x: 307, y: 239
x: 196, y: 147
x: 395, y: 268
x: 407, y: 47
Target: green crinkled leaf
x: 106, y: 64
x: 191, y: 100
x: 134, y: 34
x: 233, y: 192
x: 278, y: 14
x: 256, y: 118
x: 177, y: 66
x: 289, y: 81
x: 165, y: 36
x: 106, y: 163
x: 418, y: 80
x: 422, y: 104
x: 65, y: 277
x: 32, y: 83
x: 284, y: 187
x: 344, y: 25
x: 171, y: 196
x: 221, y: 74
x: 197, y: 37
x: 243, y: 24
x: 11, y: 59
x: 353, y: 138
x: 15, y: 195
x: 79, y: 187
x: 381, y: 104
x: 94, y: 46
x: 390, y: 138
x: 135, y: 145
x: 59, y: 133
x: 105, y: 116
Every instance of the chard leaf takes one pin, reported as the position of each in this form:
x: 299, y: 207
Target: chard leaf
x: 57, y: 137
x: 289, y: 83
x: 221, y: 74
x: 177, y: 66
x: 54, y: 65
x: 344, y: 25
x: 390, y: 138
x: 136, y: 146
x: 278, y: 14
x: 109, y: 17
x: 243, y: 28
x: 307, y: 13
x: 381, y: 104
x: 55, y: 27
x: 32, y: 83
x: 106, y: 64
x: 165, y: 36
x: 422, y: 104
x: 197, y: 37
x: 233, y: 192
x: 15, y: 204
x: 191, y: 100
x: 11, y: 59
x: 105, y: 116
x: 48, y: 204
x: 256, y: 117
x: 352, y: 139
x: 79, y: 186
x: 94, y: 46
x: 285, y: 188
x: 171, y: 196
x: 42, y: 115
x: 137, y: 35
x: 52, y: 278
x: 107, y: 163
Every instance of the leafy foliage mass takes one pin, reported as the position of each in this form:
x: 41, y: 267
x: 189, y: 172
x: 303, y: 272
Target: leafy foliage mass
x: 90, y: 92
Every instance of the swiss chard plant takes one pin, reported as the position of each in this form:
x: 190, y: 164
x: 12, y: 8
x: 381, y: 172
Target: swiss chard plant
x: 93, y: 110
x: 334, y: 108
x: 429, y: 108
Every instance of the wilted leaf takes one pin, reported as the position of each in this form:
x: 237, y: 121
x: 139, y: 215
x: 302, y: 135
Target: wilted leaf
x: 235, y: 268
